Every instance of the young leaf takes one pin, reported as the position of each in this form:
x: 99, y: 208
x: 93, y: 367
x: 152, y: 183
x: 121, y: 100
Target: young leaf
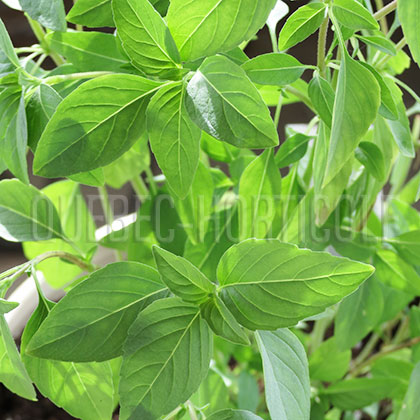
x: 380, y: 42
x: 174, y: 138
x: 358, y: 314
x: 274, y: 69
x: 238, y: 114
x: 182, y: 278
x: 259, y: 195
x: 267, y: 284
x: 292, y: 150
x: 39, y: 110
x: 408, y: 13
x: 166, y: 356
x: 72, y: 386
x: 193, y: 24
x: 353, y: 15
x: 286, y: 375
x: 12, y: 372
x: 6, y: 46
x: 303, y: 23
x: 407, y: 245
x: 322, y: 97
x: 356, y: 106
x: 230, y: 414
x: 145, y: 37
x: 96, y: 314
x: 94, y: 125
x: 49, y: 13
x: 411, y: 405
x: 328, y: 363
x: 6, y: 306
x: 26, y: 214
x: 371, y: 157
x: 222, y: 322
x: 89, y: 51
x: 91, y: 13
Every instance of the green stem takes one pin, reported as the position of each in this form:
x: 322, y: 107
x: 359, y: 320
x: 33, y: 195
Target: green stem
x: 367, y: 349
x: 322, y: 44
x: 151, y: 181
x: 380, y: 14
x: 274, y: 41
x: 106, y: 206
x: 278, y: 111
x: 140, y: 188
x: 191, y: 411
x: 299, y: 95
x: 401, y: 44
x: 317, y: 336
x: 53, y: 80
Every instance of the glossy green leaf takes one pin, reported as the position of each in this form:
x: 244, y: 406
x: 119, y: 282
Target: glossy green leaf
x: 193, y: 24
x: 222, y: 322
x: 328, y: 363
x: 94, y: 178
x: 380, y: 42
x: 230, y: 414
x: 49, y: 13
x: 411, y: 404
x: 26, y: 214
x: 39, y: 110
x: 395, y: 272
x: 89, y: 51
x: 286, y: 375
x: 292, y: 150
x: 97, y: 314
x: 145, y: 37
x: 358, y: 314
x: 91, y: 13
x: 174, y: 138
x: 303, y: 23
x: 407, y: 246
x: 274, y: 69
x: 217, y: 150
x: 72, y: 386
x: 322, y: 97
x: 355, y: 108
x: 94, y: 125
x: 353, y: 15
x: 268, y: 284
x: 182, y: 278
x: 259, y: 195
x: 12, y: 372
x: 371, y: 157
x: 408, y: 14
x: 238, y: 114
x: 166, y: 356
x: 6, y: 46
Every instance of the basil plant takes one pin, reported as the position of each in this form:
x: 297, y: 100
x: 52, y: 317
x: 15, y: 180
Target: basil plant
x: 254, y: 281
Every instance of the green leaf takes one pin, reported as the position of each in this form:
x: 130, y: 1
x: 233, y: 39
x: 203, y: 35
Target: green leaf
x: 193, y: 24
x: 91, y: 13
x: 322, y: 97
x: 89, y: 51
x: 182, y: 278
x: 248, y: 392
x: 6, y: 306
x: 217, y: 150
x: 6, y: 46
x: 292, y: 150
x: 238, y: 114
x: 195, y: 210
x: 328, y: 363
x: 411, y: 404
x: 174, y: 138
x: 77, y: 224
x: 96, y: 314
x: 26, y: 214
x: 355, y: 108
x: 49, y: 13
x: 274, y: 69
x: 380, y: 42
x: 267, y: 284
x: 12, y: 372
x: 145, y: 37
x: 301, y: 24
x: 229, y: 414
x: 371, y: 157
x: 358, y: 314
x: 39, y: 110
x: 358, y: 393
x: 14, y: 132
x: 354, y: 15
x: 94, y: 178
x: 407, y: 246
x: 94, y: 125
x: 286, y: 375
x: 72, y: 386
x: 395, y: 272
x: 222, y: 322
x: 408, y: 14
x: 259, y: 195
x: 166, y: 356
